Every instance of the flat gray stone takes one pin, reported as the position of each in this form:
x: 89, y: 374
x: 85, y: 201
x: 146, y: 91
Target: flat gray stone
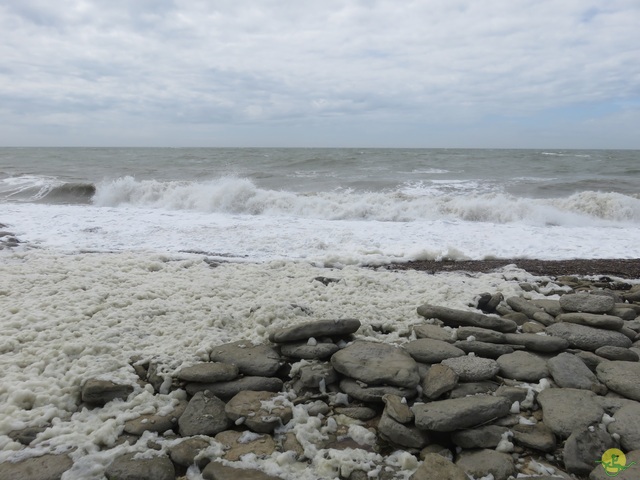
x: 436, y: 467
x: 204, y: 415
x: 585, y: 302
x: 621, y: 377
x: 433, y: 331
x: 128, y: 468
x: 459, y: 413
x: 254, y: 360
x: 530, y: 309
x: 462, y: 318
x: 427, y: 350
x: 607, y: 322
x: 397, y: 409
x: 405, y: 435
x: 565, y: 410
x: 236, y: 444
x: 185, y: 452
x: 473, y: 388
x: 374, y: 393
x: 226, y: 390
x: 582, y: 447
x: 359, y: 413
x: 480, y: 463
x: 316, y: 329
x: 217, y: 471
x: 377, y: 364
x: 484, y: 349
x: 481, y: 335
x: 627, y: 425
x: 631, y: 473
x: 552, y: 307
x: 100, y: 392
x: 617, y: 353
x: 532, y: 327
x: 249, y: 406
x: 569, y: 371
x: 155, y: 423
x: 487, y: 436
x: 309, y: 352
x: 312, y: 375
x: 209, y: 372
x: 587, y: 338
x: 523, y: 366
x: 473, y: 369
x: 438, y: 380
x: 590, y: 359
x: 514, y: 394
x: 537, y: 437
x: 46, y: 467
x: 537, y: 343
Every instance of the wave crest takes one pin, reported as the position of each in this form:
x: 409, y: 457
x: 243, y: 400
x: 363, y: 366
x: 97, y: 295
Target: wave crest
x: 241, y: 196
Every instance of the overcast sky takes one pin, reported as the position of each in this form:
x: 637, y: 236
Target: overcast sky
x: 378, y: 73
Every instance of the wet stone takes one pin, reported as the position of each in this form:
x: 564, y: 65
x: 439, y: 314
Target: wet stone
x: 45, y: 467
x: 480, y: 335
x: 461, y: 318
x: 538, y: 343
x: 560, y: 412
x: 237, y: 444
x: 607, y: 322
x: 456, y: 414
x: 398, y: 433
x: 435, y: 332
x: 627, y: 425
x: 617, y: 353
x: 523, y: 366
x: 373, y: 393
x: 100, y: 392
x: 261, y: 412
x: 397, y: 409
x: 537, y: 437
x: 436, y: 467
x: 473, y: 369
x: 621, y: 377
x: 481, y: 463
x: 312, y: 376
x: 226, y: 390
x: 359, y: 413
x: 204, y: 415
x: 254, y: 360
x: 377, y: 364
x: 587, y: 338
x: 569, y: 371
x: 127, y: 467
x: 317, y: 329
x: 483, y: 349
x: 585, y: 302
x: 154, y: 422
x: 309, y: 352
x: 185, y: 452
x: 438, y: 380
x: 582, y: 447
x: 218, y: 471
x: 488, y: 436
x: 210, y: 372
x: 427, y: 350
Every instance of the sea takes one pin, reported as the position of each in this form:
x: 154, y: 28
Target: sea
x: 326, y: 206
x: 139, y: 256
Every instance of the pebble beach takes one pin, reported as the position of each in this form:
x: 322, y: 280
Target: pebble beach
x: 131, y: 365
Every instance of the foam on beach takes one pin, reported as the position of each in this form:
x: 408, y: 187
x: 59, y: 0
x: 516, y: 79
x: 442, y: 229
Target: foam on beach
x: 68, y: 318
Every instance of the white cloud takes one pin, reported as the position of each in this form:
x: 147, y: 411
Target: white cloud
x: 283, y: 62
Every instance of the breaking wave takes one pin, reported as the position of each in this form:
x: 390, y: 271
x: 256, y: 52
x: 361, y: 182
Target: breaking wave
x: 233, y: 195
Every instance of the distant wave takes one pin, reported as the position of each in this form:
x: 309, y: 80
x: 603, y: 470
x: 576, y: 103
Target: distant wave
x: 241, y: 196
x: 43, y: 189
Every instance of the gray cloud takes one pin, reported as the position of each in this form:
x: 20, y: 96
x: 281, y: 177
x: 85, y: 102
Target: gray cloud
x: 397, y: 66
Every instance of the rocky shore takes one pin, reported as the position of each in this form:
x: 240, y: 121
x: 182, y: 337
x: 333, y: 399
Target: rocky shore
x: 537, y: 385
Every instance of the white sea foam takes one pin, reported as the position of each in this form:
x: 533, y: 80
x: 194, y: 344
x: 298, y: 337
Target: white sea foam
x: 68, y: 318
x: 414, y: 201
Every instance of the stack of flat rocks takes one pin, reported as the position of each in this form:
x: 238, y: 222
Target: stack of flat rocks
x: 534, y: 386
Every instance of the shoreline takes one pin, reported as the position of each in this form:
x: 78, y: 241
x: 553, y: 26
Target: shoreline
x: 623, y: 268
